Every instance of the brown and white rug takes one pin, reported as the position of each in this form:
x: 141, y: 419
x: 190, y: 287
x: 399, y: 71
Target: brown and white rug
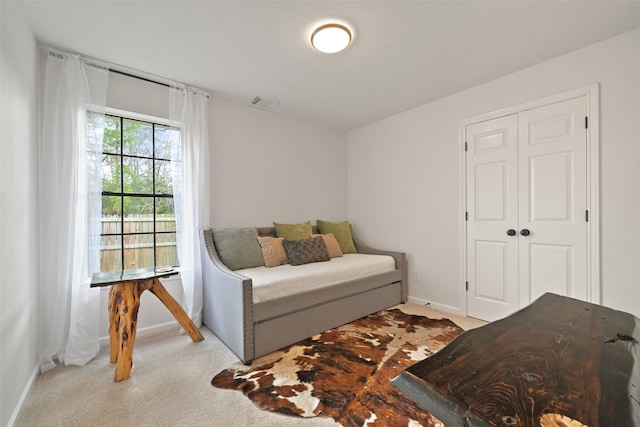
x: 345, y: 372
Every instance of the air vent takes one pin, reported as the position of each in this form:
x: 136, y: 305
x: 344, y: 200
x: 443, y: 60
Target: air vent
x: 264, y: 103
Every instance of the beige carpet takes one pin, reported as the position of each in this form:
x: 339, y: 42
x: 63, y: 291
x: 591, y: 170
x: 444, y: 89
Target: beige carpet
x: 169, y: 386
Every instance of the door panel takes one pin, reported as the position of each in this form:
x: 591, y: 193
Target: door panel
x: 550, y: 269
x: 492, y: 206
x: 554, y: 128
x: 550, y: 190
x: 491, y: 186
x: 552, y: 152
x: 490, y: 267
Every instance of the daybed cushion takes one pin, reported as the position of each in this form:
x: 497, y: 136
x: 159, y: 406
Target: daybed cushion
x: 273, y: 283
x: 305, y: 251
x: 293, y: 231
x: 342, y: 232
x: 238, y: 247
x: 272, y: 251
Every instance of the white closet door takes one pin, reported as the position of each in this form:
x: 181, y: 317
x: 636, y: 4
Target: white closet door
x: 553, y: 200
x: 526, y: 206
x: 492, y: 209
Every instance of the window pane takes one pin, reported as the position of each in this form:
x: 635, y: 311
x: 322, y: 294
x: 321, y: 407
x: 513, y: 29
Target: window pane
x: 166, y: 250
x: 111, y: 253
x: 111, y: 173
x: 137, y: 175
x: 138, y: 214
x: 95, y: 124
x: 164, y: 177
x: 111, y: 139
x: 137, y: 138
x: 166, y: 139
x: 138, y: 251
x: 165, y: 216
x: 111, y: 214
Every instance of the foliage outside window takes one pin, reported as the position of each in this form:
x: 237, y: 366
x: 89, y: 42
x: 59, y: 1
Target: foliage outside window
x: 138, y: 216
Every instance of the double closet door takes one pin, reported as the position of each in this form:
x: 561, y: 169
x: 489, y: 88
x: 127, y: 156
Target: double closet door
x: 526, y: 192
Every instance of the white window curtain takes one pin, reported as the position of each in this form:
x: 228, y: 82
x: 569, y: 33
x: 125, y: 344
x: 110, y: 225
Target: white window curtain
x: 189, y: 111
x: 70, y: 209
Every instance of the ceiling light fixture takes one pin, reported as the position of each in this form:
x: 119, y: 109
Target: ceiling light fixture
x: 331, y: 38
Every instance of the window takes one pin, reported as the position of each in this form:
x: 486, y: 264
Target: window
x: 138, y: 216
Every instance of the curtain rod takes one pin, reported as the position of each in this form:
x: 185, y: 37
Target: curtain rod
x: 124, y: 73
x: 118, y: 69
x: 145, y: 79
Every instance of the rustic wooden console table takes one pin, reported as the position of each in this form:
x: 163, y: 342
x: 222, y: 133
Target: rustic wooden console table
x: 558, y: 362
x: 124, y: 301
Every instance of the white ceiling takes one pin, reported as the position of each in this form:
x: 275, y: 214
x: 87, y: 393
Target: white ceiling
x: 404, y: 53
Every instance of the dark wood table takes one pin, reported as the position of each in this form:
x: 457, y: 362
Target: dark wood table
x: 124, y: 301
x: 557, y: 362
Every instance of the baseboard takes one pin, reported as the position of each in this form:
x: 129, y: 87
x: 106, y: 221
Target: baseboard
x: 146, y: 331
x: 24, y: 396
x: 437, y: 306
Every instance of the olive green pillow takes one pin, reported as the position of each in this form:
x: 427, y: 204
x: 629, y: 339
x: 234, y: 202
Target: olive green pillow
x: 342, y: 231
x: 238, y: 247
x: 293, y: 231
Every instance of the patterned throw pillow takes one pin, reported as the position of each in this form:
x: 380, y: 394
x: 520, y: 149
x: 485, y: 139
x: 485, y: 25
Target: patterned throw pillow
x: 272, y: 251
x: 306, y: 251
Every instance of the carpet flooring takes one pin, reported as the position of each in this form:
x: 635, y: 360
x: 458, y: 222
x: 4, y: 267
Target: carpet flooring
x: 169, y: 386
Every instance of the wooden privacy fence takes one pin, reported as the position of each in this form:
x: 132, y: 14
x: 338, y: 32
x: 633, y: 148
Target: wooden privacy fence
x: 138, y: 248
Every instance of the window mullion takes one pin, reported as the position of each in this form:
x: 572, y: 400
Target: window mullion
x: 122, y: 194
x: 153, y: 190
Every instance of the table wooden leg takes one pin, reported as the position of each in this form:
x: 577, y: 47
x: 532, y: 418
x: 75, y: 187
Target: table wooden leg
x: 114, y: 323
x: 187, y: 324
x: 128, y: 306
x: 124, y: 303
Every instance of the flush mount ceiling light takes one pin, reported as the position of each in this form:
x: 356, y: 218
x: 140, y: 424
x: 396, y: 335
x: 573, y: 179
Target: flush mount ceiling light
x: 331, y: 38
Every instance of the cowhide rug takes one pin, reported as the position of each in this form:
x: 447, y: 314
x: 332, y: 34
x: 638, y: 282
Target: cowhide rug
x: 345, y: 372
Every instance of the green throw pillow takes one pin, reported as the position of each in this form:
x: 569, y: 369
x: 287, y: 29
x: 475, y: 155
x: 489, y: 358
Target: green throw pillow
x: 293, y: 231
x: 342, y: 231
x: 238, y: 247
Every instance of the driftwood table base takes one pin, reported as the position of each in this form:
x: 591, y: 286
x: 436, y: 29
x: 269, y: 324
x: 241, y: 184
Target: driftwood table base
x: 124, y: 303
x: 558, y: 362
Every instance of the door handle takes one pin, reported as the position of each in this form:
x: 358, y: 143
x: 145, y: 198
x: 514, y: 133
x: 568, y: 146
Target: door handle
x: 511, y: 232
x: 524, y: 232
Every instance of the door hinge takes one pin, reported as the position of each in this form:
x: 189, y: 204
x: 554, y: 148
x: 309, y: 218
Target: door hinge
x: 466, y: 148
x: 466, y: 216
x: 586, y: 122
x: 586, y: 215
x: 466, y: 286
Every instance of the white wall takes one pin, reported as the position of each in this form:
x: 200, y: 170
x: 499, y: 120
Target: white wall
x: 267, y: 167
x: 18, y: 211
x: 404, y: 170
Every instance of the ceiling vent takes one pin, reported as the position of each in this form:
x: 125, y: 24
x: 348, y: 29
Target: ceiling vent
x: 265, y: 103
